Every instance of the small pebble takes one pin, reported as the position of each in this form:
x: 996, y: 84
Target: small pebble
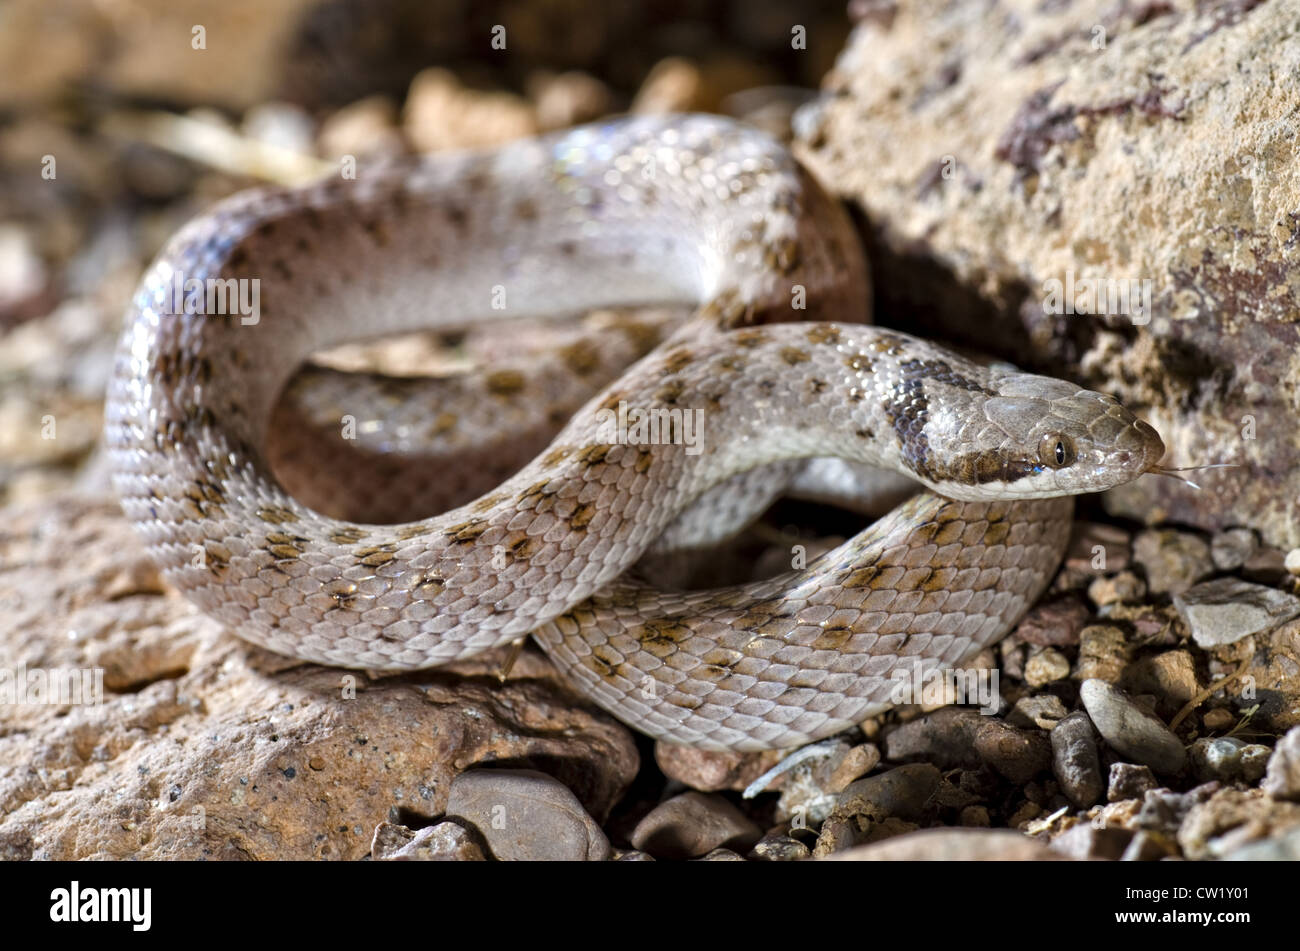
x: 1164, y: 810
x: 1122, y: 588
x: 711, y: 771
x: 1043, y: 710
x: 1229, y: 759
x: 1220, y: 718
x: 1266, y: 566
x: 721, y: 855
x: 1292, y: 561
x: 1046, y: 666
x: 1283, y: 848
x: 1103, y: 653
x: 1075, y: 761
x: 444, y: 842
x: 1282, y: 780
x: 1232, y: 548
x: 856, y: 763
x: 1130, y: 781
x: 1146, y: 847
x: 1054, y: 623
x: 1084, y: 841
x: 1173, y: 560
x: 694, y: 824
x: 1130, y: 730
x: 903, y: 793
x: 525, y: 815
x: 1225, y: 610
x: 778, y: 847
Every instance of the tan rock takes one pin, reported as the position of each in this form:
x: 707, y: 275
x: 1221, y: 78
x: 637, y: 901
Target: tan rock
x: 207, y: 747
x: 994, y: 153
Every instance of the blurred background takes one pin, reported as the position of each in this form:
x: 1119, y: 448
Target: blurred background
x: 121, y: 119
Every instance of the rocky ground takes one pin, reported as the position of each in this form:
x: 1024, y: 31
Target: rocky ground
x: 1150, y: 704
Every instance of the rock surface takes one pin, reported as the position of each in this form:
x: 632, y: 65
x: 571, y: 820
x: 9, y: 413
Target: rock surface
x: 997, y: 148
x: 207, y: 747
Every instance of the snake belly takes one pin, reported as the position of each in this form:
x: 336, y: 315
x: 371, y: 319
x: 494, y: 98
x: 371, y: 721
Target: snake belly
x: 682, y: 210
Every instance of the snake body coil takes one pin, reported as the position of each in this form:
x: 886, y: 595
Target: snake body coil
x: 688, y: 210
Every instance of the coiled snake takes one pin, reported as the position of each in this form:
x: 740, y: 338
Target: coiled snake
x: 776, y: 366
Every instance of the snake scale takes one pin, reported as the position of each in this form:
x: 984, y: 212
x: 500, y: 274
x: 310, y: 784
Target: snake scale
x: 785, y: 377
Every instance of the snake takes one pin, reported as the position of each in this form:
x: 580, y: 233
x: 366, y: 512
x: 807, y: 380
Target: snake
x: 776, y: 383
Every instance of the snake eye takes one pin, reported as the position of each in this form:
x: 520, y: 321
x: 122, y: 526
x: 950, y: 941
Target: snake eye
x: 1056, y: 450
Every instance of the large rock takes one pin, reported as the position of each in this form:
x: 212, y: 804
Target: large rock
x: 995, y: 147
x: 207, y: 747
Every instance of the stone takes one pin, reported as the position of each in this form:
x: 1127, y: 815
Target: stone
x: 1231, y: 818
x: 365, y: 127
x: 710, y: 771
x: 952, y: 845
x: 857, y: 762
x: 1054, y: 623
x: 1282, y: 780
x: 1103, y: 653
x: 1129, y: 781
x: 1169, y: 676
x: 207, y: 747
x: 1122, y: 588
x: 444, y: 842
x: 1163, y: 810
x: 1017, y: 754
x: 1228, y: 759
x: 1085, y: 841
x: 694, y: 824
x: 902, y: 793
x: 1226, y: 610
x: 1232, y: 548
x: 1146, y: 847
x: 721, y: 855
x: 1218, y: 719
x: 568, y: 99
x: 1280, y: 848
x: 24, y: 283
x: 1046, y: 666
x: 526, y: 816
x: 953, y: 737
x: 1075, y: 761
x: 440, y: 113
x: 992, y: 156
x: 1043, y: 710
x: 778, y: 847
x: 1130, y: 730
x: 945, y: 738
x: 1173, y: 560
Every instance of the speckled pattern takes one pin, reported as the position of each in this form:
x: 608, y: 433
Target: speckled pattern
x: 694, y: 210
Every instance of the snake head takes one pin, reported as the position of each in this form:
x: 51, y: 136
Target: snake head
x: 1038, y: 438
